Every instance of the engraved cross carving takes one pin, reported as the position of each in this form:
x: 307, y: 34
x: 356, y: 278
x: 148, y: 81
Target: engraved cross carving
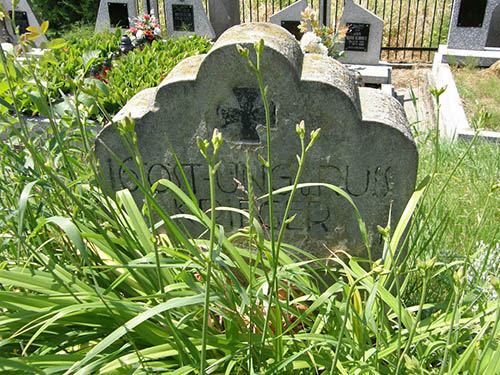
x: 248, y: 116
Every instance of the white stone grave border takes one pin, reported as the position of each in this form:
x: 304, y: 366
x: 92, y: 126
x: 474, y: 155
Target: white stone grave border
x: 452, y: 119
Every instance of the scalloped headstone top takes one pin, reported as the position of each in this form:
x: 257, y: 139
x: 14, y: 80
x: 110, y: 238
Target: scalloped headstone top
x: 365, y: 145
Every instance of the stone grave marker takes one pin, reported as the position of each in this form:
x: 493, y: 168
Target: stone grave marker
x: 115, y: 13
x: 365, y: 146
x: 23, y: 17
x: 363, y: 41
x: 151, y: 6
x: 187, y: 17
x: 475, y: 25
x: 290, y: 17
x: 223, y: 14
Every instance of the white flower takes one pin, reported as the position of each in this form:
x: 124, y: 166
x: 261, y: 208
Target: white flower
x: 140, y: 34
x: 311, y: 43
x: 157, y: 31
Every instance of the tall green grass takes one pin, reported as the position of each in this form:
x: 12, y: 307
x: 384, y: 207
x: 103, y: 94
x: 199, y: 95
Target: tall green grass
x: 93, y: 284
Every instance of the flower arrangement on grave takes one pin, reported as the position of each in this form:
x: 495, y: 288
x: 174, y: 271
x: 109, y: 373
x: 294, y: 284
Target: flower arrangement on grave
x: 320, y: 39
x: 146, y: 29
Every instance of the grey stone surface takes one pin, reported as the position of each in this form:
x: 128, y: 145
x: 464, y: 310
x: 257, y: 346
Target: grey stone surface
x: 474, y: 38
x: 103, y: 21
x: 325, y: 12
x: 223, y: 14
x: 193, y: 13
x: 365, y: 145
x: 371, y: 74
x: 356, y: 14
x: 493, y: 39
x: 153, y: 7
x: 484, y: 58
x: 23, y: 6
x: 291, y: 13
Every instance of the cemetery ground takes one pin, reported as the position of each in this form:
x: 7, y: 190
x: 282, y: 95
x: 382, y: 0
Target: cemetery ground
x: 91, y: 284
x: 480, y: 92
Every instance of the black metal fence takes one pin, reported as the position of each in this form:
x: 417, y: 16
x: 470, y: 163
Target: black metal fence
x: 413, y: 29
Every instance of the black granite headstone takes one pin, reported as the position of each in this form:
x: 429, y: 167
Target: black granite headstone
x: 21, y: 20
x: 293, y: 28
x: 183, y: 15
x: 356, y: 38
x: 118, y: 15
x: 471, y: 13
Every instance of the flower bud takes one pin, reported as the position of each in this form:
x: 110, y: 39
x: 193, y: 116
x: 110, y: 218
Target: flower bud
x: 301, y: 128
x: 216, y: 139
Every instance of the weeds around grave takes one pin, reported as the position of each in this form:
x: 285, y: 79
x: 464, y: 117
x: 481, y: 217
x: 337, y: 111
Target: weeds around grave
x: 95, y: 284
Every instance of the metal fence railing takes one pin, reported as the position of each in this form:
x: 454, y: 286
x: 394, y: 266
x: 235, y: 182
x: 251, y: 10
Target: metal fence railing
x: 413, y: 29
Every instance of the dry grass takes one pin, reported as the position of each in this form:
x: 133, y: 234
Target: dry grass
x: 480, y: 92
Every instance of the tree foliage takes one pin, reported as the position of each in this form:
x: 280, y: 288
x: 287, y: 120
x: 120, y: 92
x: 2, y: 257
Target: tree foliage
x: 63, y: 13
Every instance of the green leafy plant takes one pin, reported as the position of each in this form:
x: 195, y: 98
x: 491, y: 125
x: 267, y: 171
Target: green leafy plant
x: 91, y: 283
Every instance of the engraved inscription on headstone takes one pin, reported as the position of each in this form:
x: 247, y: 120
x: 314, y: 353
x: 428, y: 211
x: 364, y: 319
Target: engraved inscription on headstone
x: 183, y: 17
x: 247, y: 116
x: 357, y: 36
x: 21, y: 19
x: 293, y: 28
x: 471, y: 13
x: 365, y: 146
x: 118, y: 15
x: 363, y: 42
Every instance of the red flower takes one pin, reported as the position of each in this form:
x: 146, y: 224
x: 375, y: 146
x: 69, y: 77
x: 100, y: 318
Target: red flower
x: 133, y: 30
x: 146, y: 17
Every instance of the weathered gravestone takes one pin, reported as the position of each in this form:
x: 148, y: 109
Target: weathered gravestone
x: 365, y: 145
x: 290, y: 17
x: 23, y: 17
x: 223, y: 14
x: 115, y: 13
x: 363, y: 41
x: 475, y: 25
x: 187, y: 17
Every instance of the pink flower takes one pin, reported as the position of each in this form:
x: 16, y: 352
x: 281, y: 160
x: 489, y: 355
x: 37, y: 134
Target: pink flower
x: 133, y: 30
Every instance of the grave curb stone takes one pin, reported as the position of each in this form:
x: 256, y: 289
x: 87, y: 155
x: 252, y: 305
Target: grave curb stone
x: 361, y: 128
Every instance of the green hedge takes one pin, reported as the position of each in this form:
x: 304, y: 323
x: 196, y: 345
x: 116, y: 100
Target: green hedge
x: 59, y: 69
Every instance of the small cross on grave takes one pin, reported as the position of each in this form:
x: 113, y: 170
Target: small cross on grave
x: 248, y: 116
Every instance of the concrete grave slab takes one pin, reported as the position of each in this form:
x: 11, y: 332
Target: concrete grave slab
x: 115, y: 13
x: 24, y: 17
x: 223, y: 14
x: 187, y: 17
x: 290, y: 17
x: 363, y: 41
x: 365, y: 146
